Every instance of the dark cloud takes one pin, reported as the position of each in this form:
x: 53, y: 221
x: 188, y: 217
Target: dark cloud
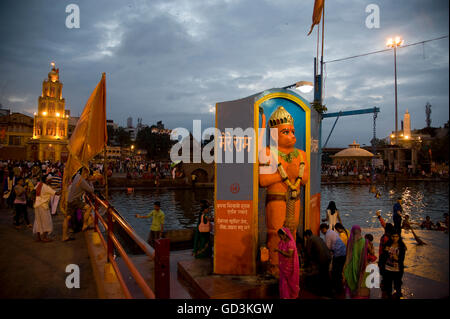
x: 174, y: 60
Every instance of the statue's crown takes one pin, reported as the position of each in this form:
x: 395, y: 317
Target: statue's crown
x: 280, y: 116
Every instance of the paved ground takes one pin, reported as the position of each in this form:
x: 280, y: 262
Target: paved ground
x: 30, y: 269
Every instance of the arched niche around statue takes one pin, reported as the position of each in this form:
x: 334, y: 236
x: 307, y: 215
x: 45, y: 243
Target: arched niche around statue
x: 61, y: 129
x: 51, y: 108
x: 51, y: 128
x: 39, y: 128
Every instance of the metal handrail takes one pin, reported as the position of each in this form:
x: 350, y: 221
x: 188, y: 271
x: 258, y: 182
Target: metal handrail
x: 132, y: 268
x: 146, y: 248
x: 122, y: 283
x: 112, y: 242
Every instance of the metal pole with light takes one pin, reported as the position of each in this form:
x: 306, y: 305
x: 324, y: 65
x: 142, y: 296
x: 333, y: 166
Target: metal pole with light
x: 394, y: 43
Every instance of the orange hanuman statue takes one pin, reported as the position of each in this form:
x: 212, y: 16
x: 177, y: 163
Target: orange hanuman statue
x: 283, y: 186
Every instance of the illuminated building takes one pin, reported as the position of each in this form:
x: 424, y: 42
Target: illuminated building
x: 50, y: 131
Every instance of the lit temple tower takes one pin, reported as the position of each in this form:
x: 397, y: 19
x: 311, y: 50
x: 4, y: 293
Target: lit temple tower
x: 49, y: 140
x: 407, y: 125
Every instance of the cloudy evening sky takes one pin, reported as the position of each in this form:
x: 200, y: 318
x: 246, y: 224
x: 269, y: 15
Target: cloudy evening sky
x: 173, y: 60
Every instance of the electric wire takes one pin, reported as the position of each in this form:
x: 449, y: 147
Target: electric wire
x: 385, y: 50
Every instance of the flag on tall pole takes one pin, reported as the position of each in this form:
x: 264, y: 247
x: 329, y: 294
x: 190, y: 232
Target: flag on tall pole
x: 88, y: 139
x: 317, y: 13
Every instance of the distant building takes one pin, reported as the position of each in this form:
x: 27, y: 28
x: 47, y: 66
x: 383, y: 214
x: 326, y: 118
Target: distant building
x: 112, y: 124
x: 133, y: 132
x: 159, y: 128
x: 113, y: 152
x: 49, y: 141
x: 72, y: 124
x: 406, y: 124
x: 140, y: 126
x: 16, y: 130
x: 404, y: 155
x: 130, y: 129
x: 353, y: 155
x: 3, y: 111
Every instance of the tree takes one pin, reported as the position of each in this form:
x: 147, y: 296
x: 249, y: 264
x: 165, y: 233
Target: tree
x: 378, y: 142
x: 156, y: 144
x: 439, y: 149
x: 428, y: 114
x: 122, y: 137
x: 111, y: 134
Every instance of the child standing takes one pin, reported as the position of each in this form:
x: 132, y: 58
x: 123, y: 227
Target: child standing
x: 370, y: 249
x: 157, y: 226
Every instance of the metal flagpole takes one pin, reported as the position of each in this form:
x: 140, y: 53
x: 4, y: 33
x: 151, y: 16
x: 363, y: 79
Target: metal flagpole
x: 321, y: 56
x: 105, y: 171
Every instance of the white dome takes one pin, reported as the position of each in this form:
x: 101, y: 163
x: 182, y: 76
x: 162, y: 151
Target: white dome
x: 353, y: 151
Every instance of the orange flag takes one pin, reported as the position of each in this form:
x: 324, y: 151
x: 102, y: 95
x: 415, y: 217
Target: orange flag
x: 89, y: 137
x: 317, y: 13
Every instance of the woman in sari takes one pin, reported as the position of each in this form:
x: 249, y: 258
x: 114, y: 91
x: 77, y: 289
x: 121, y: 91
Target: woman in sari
x: 288, y: 265
x: 356, y: 263
x: 202, y: 242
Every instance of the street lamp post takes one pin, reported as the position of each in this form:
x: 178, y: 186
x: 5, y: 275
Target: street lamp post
x: 394, y: 43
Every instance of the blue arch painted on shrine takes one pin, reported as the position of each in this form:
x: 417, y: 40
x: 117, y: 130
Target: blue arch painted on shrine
x: 296, y: 110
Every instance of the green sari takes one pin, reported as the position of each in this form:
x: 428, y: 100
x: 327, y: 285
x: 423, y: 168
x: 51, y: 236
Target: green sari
x: 202, y: 242
x: 355, y: 264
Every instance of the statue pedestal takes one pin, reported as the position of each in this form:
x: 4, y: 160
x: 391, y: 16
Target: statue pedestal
x: 203, y: 284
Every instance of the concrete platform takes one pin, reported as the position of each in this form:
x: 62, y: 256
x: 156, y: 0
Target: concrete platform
x: 203, y: 284
x: 37, y: 270
x: 97, y: 254
x: 145, y: 266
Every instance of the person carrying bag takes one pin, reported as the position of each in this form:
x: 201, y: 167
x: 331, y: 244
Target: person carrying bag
x: 205, y: 225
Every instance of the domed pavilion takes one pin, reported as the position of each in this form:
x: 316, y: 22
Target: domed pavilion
x: 353, y: 155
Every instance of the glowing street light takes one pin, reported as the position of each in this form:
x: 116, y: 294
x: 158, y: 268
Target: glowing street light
x: 302, y: 86
x: 44, y: 113
x: 57, y: 114
x: 394, y: 43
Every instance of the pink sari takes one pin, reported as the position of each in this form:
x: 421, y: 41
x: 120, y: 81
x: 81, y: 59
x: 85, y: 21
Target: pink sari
x: 289, y: 268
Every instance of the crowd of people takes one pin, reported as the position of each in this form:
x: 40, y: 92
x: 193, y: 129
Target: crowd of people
x: 144, y: 169
x: 336, y: 266
x: 349, y: 169
x: 27, y: 174
x: 440, y: 225
x: 366, y: 171
x: 38, y: 185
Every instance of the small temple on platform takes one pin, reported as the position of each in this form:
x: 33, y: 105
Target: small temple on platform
x: 353, y: 154
x: 49, y: 141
